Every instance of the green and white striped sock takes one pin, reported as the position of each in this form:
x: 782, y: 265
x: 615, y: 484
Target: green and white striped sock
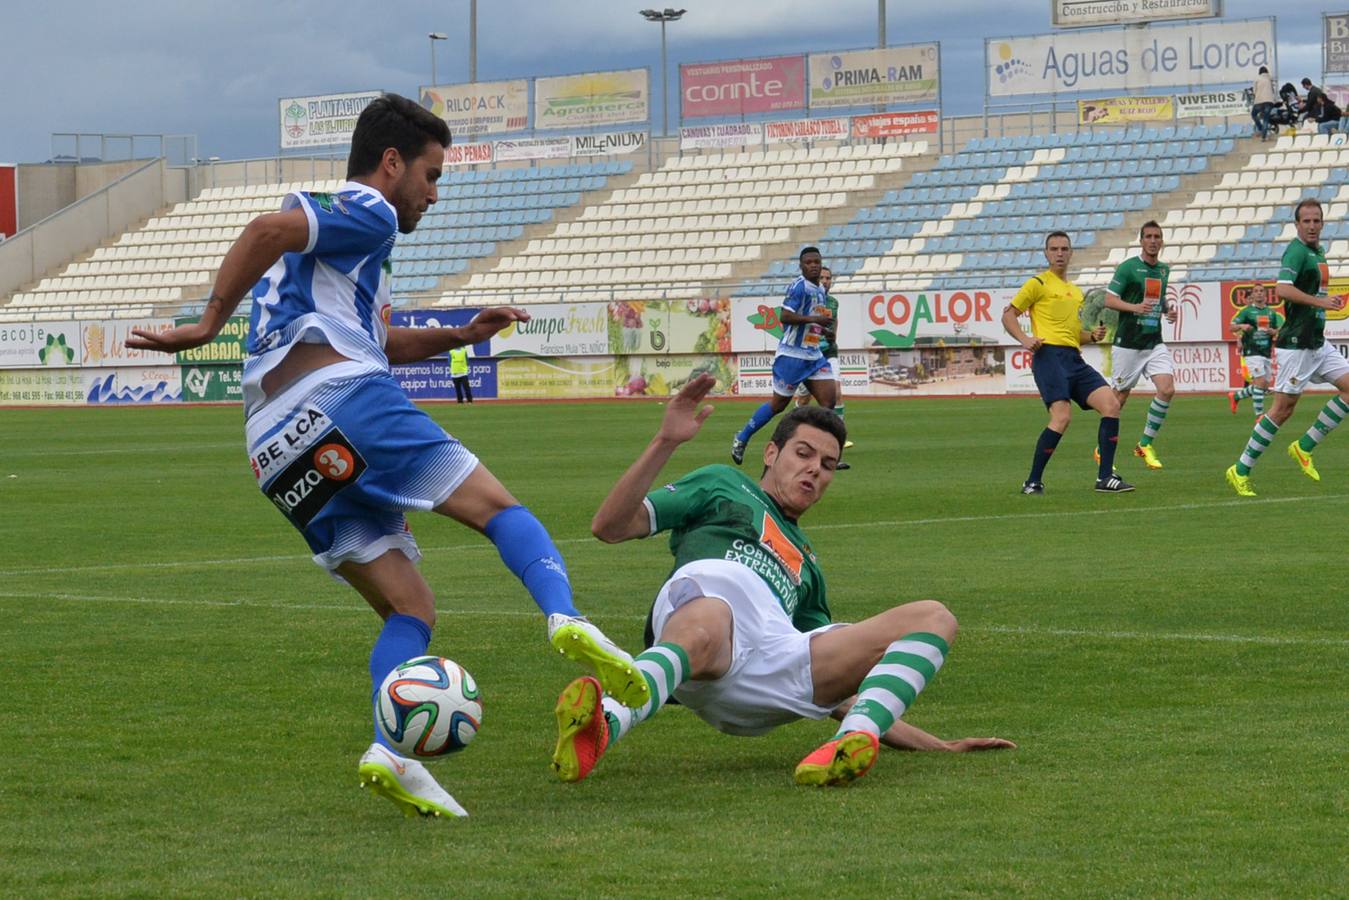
x: 894, y: 683
x: 1328, y: 420
x: 1156, y: 416
x: 839, y: 409
x: 1258, y: 400
x: 1247, y: 391
x: 665, y: 667
x: 1261, y: 437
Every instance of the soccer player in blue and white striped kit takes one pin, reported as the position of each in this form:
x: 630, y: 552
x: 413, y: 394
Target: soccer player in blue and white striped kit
x: 799, y: 359
x: 336, y: 444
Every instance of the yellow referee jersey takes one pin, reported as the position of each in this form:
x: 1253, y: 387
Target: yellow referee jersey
x: 1055, y: 309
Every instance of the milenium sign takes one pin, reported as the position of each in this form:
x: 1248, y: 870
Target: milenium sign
x: 1130, y: 59
x: 1080, y: 13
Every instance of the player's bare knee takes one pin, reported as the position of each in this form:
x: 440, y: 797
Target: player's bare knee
x: 937, y: 619
x: 702, y: 627
x: 1059, y: 421
x: 1165, y: 394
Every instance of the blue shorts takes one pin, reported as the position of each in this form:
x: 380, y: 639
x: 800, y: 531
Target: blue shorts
x: 344, y: 456
x: 791, y: 371
x: 1062, y: 374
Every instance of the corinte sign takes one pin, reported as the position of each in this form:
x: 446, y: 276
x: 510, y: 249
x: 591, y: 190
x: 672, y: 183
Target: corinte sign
x: 874, y: 77
x: 597, y: 98
x: 1130, y: 59
x: 485, y: 107
x: 1077, y: 13
x: 320, y: 121
x: 740, y: 86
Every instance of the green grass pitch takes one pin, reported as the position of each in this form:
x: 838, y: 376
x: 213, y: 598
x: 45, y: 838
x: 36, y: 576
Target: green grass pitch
x: 185, y: 693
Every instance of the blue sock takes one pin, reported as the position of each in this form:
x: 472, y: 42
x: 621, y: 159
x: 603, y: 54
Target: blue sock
x: 1044, y: 448
x: 403, y: 638
x: 1107, y: 439
x: 762, y: 416
x: 528, y: 551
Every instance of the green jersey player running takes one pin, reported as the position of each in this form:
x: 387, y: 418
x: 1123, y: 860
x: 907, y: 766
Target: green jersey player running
x: 1255, y: 325
x: 741, y: 631
x: 1138, y: 292
x: 1304, y: 356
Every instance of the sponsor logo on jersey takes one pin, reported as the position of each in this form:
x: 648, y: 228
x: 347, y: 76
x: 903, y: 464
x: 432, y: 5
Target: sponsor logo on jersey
x: 772, y: 539
x: 294, y: 439
x: 310, y: 481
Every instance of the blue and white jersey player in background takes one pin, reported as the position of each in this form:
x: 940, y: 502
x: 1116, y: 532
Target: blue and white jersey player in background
x: 336, y: 444
x: 799, y: 358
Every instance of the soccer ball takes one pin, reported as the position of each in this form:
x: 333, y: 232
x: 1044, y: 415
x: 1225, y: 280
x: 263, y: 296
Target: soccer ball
x: 427, y: 707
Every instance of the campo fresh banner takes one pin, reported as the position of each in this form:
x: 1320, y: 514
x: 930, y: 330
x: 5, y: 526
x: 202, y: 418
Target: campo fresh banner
x: 1122, y: 110
x: 323, y: 120
x: 213, y: 384
x: 1219, y: 52
x: 483, y: 107
x: 609, y: 376
x: 227, y: 347
x: 874, y: 77
x: 595, y: 98
x: 622, y: 327
x: 38, y: 344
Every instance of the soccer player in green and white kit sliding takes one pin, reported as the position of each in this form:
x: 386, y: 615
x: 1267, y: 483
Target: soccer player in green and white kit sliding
x: 1303, y: 354
x: 1256, y: 325
x: 740, y: 632
x: 1138, y: 292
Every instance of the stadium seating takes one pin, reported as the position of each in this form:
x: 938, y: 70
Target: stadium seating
x: 173, y: 257
x: 690, y: 221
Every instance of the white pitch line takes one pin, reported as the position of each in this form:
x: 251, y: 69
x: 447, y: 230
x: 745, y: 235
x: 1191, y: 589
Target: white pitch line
x: 105, y: 451
x: 451, y: 612
x: 894, y: 523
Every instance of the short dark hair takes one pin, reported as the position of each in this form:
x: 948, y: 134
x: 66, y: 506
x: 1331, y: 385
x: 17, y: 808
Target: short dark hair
x: 1054, y: 234
x: 1150, y: 223
x: 1263, y: 71
x: 1306, y: 82
x: 397, y: 122
x: 815, y: 417
x: 805, y: 250
x: 1306, y: 201
x: 826, y: 269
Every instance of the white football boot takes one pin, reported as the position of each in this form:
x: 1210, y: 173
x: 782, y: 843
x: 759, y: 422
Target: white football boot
x: 406, y: 782
x: 580, y: 641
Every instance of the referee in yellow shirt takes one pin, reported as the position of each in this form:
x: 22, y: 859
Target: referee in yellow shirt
x: 1061, y: 374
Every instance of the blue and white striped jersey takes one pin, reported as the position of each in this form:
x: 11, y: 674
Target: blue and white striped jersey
x: 336, y: 291
x: 803, y: 341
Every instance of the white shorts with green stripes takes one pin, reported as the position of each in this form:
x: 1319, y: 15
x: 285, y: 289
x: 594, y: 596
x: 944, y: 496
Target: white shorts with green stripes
x: 1257, y: 366
x: 1295, y: 369
x: 769, y: 682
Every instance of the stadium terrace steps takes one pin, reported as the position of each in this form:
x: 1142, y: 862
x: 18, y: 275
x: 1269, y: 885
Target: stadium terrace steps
x: 1092, y: 263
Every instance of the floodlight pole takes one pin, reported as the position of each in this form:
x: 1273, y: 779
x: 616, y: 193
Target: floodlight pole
x: 663, y: 16
x: 880, y: 24
x: 472, y: 40
x: 433, y: 37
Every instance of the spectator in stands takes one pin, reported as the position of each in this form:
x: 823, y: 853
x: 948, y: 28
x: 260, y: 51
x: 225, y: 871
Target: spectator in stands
x: 1321, y: 108
x: 1263, y: 101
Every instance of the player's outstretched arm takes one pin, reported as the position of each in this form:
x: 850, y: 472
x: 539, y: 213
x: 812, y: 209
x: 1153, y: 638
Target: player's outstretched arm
x: 903, y: 736
x: 261, y: 244
x: 406, y: 345
x: 622, y: 516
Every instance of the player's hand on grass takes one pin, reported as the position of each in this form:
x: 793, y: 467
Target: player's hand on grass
x: 974, y: 745
x: 184, y: 337
x: 683, y: 418
x: 491, y: 320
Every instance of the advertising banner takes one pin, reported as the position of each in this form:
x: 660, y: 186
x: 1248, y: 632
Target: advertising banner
x: 733, y: 134
x: 874, y: 77
x: 468, y: 154
x: 806, y: 130
x: 36, y: 344
x: 1199, y: 313
x: 531, y: 148
x: 9, y: 202
x: 1123, y: 110
x: 321, y: 121
x: 755, y: 373
x: 484, y: 107
x: 1335, y: 41
x: 618, y: 328
x: 439, y: 318
x: 742, y: 86
x: 595, y: 98
x: 611, y: 144
x: 1130, y: 59
x: 22, y: 387
x: 213, y: 384
x: 1213, y: 103
x: 227, y: 347
x: 105, y: 342
x: 897, y: 124
x: 430, y: 379
x: 1079, y: 13
x: 110, y: 387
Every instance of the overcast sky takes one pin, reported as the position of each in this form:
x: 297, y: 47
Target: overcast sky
x: 216, y: 70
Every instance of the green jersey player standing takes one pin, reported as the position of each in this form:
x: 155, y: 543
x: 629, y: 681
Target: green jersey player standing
x: 740, y: 632
x: 1256, y: 325
x: 1303, y: 354
x: 1138, y: 292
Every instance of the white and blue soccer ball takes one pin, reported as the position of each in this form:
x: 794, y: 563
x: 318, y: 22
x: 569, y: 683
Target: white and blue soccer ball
x: 428, y: 707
